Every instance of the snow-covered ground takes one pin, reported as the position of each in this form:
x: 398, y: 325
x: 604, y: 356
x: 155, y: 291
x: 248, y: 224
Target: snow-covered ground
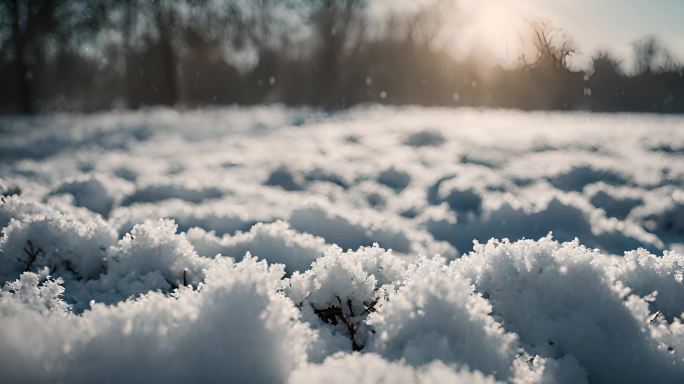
x: 354, y: 247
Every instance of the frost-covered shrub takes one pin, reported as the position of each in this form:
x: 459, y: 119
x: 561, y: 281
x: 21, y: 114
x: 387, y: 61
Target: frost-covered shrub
x: 36, y: 330
x: 559, y: 299
x: 342, y: 288
x: 435, y: 315
x: 61, y: 243
x: 236, y: 328
x: 152, y: 256
x: 371, y: 368
x: 33, y: 291
x: 274, y: 242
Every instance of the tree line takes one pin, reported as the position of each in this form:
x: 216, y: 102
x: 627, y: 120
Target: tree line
x: 89, y: 55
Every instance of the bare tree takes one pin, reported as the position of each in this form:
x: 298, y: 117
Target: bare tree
x: 335, y: 23
x: 165, y: 18
x: 645, y: 51
x: 651, y: 56
x: 30, y: 22
x: 424, y: 26
x: 551, y: 44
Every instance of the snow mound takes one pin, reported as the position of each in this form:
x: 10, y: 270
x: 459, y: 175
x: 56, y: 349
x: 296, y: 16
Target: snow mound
x: 237, y: 326
x: 95, y: 192
x: 567, y: 216
x: 560, y: 300
x: 14, y: 207
x: 8, y: 189
x: 659, y: 279
x: 275, y: 242
x: 347, y: 231
x: 163, y: 191
x: 57, y: 242
x: 663, y: 215
x: 153, y: 257
x: 617, y: 202
x: 435, y: 315
x: 373, y: 369
x: 218, y: 217
x: 575, y: 178
x: 342, y: 288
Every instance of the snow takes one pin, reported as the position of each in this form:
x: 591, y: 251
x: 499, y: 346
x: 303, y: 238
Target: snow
x: 558, y: 299
x: 236, y: 326
x: 374, y: 245
x: 373, y: 369
x: 275, y: 242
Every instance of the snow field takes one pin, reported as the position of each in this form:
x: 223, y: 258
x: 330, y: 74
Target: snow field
x: 281, y: 245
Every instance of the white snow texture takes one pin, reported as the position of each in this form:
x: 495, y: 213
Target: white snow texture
x: 375, y: 245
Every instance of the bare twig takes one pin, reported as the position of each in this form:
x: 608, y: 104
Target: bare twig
x: 32, y: 254
x: 654, y: 317
x: 335, y: 315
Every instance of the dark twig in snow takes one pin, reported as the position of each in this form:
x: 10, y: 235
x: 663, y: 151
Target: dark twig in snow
x: 184, y: 279
x: 654, y: 317
x: 370, y: 307
x: 32, y: 254
x: 172, y: 284
x: 335, y: 315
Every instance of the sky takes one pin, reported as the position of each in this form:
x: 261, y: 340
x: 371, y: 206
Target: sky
x: 498, y: 28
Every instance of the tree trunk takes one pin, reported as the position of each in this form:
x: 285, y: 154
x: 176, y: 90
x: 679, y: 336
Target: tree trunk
x: 165, y: 25
x: 22, y: 72
x: 132, y: 101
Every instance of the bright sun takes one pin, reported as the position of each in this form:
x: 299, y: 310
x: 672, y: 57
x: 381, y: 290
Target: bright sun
x: 493, y: 28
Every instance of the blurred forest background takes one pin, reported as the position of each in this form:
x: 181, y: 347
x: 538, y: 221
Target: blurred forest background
x: 85, y: 55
